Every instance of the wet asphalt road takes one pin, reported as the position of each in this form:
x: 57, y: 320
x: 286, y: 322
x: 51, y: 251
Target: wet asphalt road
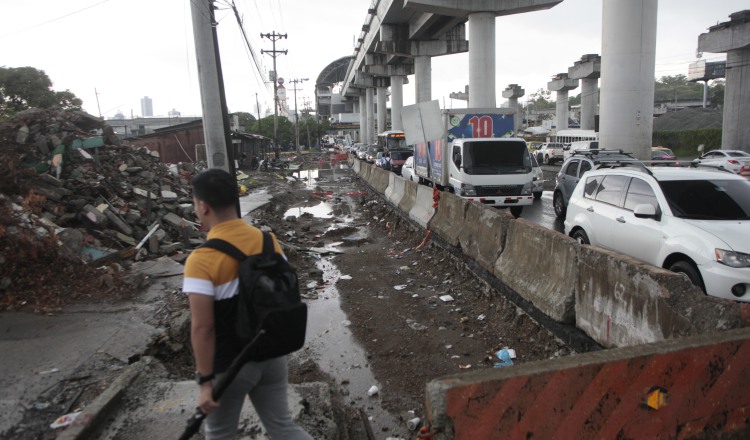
x: 541, y: 211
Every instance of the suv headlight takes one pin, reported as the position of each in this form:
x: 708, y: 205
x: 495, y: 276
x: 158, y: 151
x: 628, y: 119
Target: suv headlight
x: 526, y: 190
x: 732, y: 259
x: 467, y: 190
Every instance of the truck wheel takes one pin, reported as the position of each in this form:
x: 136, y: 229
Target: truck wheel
x: 538, y: 195
x: 516, y: 211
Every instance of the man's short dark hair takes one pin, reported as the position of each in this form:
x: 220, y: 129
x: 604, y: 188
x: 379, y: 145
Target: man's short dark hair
x: 215, y: 187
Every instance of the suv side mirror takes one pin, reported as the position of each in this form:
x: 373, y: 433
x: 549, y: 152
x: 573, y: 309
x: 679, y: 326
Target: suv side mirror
x: 644, y: 210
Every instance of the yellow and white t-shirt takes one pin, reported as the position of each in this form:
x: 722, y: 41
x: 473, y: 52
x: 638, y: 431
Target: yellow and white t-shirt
x: 214, y: 273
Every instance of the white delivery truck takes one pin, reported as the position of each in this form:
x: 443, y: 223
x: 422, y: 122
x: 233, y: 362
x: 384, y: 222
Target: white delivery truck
x: 477, y: 159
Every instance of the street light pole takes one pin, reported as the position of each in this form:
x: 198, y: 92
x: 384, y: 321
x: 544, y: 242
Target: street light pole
x: 296, y: 115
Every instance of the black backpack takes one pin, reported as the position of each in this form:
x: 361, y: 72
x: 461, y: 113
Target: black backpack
x: 268, y: 300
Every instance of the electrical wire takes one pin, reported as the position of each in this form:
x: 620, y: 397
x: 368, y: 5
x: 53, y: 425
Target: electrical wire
x: 53, y: 20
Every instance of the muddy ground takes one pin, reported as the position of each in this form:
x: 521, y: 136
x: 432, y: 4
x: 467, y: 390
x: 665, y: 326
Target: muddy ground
x: 393, y: 299
x: 353, y: 251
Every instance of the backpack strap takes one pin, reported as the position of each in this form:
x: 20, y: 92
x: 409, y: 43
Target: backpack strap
x: 267, y: 244
x: 231, y: 250
x: 226, y: 247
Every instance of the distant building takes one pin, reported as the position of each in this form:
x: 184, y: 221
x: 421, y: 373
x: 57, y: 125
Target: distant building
x: 147, y: 108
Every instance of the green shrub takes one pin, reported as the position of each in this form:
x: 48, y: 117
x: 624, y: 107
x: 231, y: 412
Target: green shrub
x: 685, y: 143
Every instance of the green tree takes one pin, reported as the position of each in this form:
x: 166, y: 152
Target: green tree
x: 676, y: 88
x: 246, y: 120
x: 716, y: 93
x: 26, y: 87
x: 542, y: 99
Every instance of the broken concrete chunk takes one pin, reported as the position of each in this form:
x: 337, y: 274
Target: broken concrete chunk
x: 174, y: 220
x: 119, y: 224
x: 168, y: 195
x: 94, y: 215
x: 144, y: 193
x: 126, y: 239
x: 171, y: 248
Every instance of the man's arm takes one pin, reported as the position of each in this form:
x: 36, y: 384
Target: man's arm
x: 203, y: 340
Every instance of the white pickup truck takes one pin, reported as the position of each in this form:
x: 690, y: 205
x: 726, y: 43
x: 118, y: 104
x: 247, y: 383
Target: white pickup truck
x: 550, y: 153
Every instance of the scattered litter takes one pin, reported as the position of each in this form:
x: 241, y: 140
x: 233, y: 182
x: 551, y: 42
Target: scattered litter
x: 345, y: 277
x: 403, y: 268
x: 465, y: 366
x: 414, y: 423
x: 455, y: 356
x: 346, y: 323
x: 400, y: 287
x: 64, y: 421
x: 464, y: 319
x: 414, y: 325
x: 54, y: 370
x: 446, y: 298
x: 373, y: 391
x: 448, y: 347
x: 416, y: 295
x: 481, y: 317
x: 40, y: 405
x: 506, y: 356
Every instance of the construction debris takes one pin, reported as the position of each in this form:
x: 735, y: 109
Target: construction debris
x: 72, y: 193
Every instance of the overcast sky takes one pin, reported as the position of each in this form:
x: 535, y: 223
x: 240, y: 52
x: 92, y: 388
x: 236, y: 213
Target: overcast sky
x: 127, y: 49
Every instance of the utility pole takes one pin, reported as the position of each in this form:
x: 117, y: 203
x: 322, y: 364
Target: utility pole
x: 273, y: 36
x: 213, y: 102
x: 296, y: 115
x: 97, y: 102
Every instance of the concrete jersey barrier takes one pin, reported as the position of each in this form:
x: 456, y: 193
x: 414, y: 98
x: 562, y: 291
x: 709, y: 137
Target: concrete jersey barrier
x: 541, y: 266
x: 422, y: 210
x: 483, y: 235
x: 681, y: 388
x: 410, y: 197
x: 379, y: 179
x: 449, y: 218
x: 395, y: 191
x: 621, y: 301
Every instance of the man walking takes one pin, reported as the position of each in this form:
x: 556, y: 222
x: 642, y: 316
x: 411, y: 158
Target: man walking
x: 211, y: 283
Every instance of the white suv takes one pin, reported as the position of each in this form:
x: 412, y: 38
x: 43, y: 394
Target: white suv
x: 692, y: 221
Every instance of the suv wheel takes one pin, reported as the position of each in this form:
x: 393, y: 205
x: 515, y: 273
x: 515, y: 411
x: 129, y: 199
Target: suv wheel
x: 691, y: 271
x: 580, y: 236
x: 558, y: 202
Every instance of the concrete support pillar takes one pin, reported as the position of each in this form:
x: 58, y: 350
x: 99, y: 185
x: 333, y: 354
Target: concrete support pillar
x: 562, y: 85
x: 360, y: 108
x: 370, y: 115
x: 589, y: 102
x: 628, y: 67
x: 382, y: 109
x: 735, y: 127
x: 513, y: 92
x: 733, y: 38
x: 397, y: 102
x: 482, y: 60
x: 423, y: 78
x: 561, y: 110
x: 588, y: 70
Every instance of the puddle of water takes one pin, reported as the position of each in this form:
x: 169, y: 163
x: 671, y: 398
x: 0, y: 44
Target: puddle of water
x: 310, y: 177
x: 321, y: 210
x: 330, y: 339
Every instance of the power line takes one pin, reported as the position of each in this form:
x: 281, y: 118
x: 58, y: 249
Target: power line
x: 54, y: 19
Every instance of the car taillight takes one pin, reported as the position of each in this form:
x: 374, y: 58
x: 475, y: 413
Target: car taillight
x: 733, y: 162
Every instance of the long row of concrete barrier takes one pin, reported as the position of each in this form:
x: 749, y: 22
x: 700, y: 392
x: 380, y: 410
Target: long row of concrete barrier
x: 616, y: 300
x: 685, y: 380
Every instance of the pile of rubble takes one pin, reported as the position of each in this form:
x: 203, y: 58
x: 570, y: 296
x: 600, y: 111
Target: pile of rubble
x: 72, y: 193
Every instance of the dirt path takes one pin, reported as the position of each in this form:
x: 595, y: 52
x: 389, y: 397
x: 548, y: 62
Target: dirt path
x: 397, y: 298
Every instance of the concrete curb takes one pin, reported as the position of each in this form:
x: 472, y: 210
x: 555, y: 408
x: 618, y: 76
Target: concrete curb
x: 98, y: 410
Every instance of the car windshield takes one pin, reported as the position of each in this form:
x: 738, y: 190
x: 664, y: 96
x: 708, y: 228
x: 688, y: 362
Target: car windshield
x: 496, y: 157
x: 400, y: 155
x: 708, y: 199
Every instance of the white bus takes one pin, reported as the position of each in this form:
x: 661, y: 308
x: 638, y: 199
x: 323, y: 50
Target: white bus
x: 569, y: 136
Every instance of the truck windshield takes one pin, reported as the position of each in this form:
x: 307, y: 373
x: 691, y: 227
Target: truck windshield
x: 501, y: 157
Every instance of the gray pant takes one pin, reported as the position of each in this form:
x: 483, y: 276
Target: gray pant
x: 266, y: 384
